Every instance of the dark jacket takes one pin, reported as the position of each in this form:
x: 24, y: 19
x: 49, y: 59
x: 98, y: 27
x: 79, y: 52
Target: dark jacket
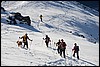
x: 76, y: 48
x: 58, y: 44
x: 47, y: 39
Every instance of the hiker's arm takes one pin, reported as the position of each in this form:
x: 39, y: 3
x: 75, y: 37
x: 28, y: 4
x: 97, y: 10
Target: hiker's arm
x: 28, y: 38
x: 73, y: 48
x: 21, y: 37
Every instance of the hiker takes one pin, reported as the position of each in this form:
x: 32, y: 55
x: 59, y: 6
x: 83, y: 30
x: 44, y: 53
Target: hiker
x: 41, y: 18
x: 62, y: 48
x: 58, y: 44
x: 47, y: 40
x: 19, y: 43
x: 25, y: 37
x: 76, y: 50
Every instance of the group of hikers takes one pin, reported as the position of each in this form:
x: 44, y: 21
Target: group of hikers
x: 60, y: 44
x: 62, y: 47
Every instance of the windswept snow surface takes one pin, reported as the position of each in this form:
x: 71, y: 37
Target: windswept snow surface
x: 61, y: 19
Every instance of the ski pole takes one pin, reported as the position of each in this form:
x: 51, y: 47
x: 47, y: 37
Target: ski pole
x: 30, y: 44
x: 71, y: 57
x: 50, y: 44
x: 67, y: 51
x: 42, y: 41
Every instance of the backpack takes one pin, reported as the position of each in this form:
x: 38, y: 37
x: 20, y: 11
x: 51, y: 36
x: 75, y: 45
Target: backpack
x: 63, y: 45
x: 77, y: 48
x: 47, y: 39
x: 25, y: 38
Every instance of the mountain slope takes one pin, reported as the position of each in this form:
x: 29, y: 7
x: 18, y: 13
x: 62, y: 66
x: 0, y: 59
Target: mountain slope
x: 62, y: 19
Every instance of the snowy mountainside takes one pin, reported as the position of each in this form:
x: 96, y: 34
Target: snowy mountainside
x: 61, y: 19
x: 72, y: 16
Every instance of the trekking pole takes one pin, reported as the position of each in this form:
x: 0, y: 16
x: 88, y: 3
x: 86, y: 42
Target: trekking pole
x: 67, y: 51
x: 72, y: 58
x: 50, y: 43
x: 42, y: 41
x: 30, y: 44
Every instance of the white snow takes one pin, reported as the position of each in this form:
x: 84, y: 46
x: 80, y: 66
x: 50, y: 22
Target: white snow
x: 60, y: 18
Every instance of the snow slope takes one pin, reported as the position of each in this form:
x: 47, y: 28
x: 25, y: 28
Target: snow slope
x: 61, y: 19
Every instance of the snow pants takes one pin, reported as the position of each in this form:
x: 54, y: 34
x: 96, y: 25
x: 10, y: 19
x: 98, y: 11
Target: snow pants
x: 41, y: 19
x: 47, y: 43
x: 25, y: 43
x: 77, y: 54
x: 62, y: 51
x: 58, y: 49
